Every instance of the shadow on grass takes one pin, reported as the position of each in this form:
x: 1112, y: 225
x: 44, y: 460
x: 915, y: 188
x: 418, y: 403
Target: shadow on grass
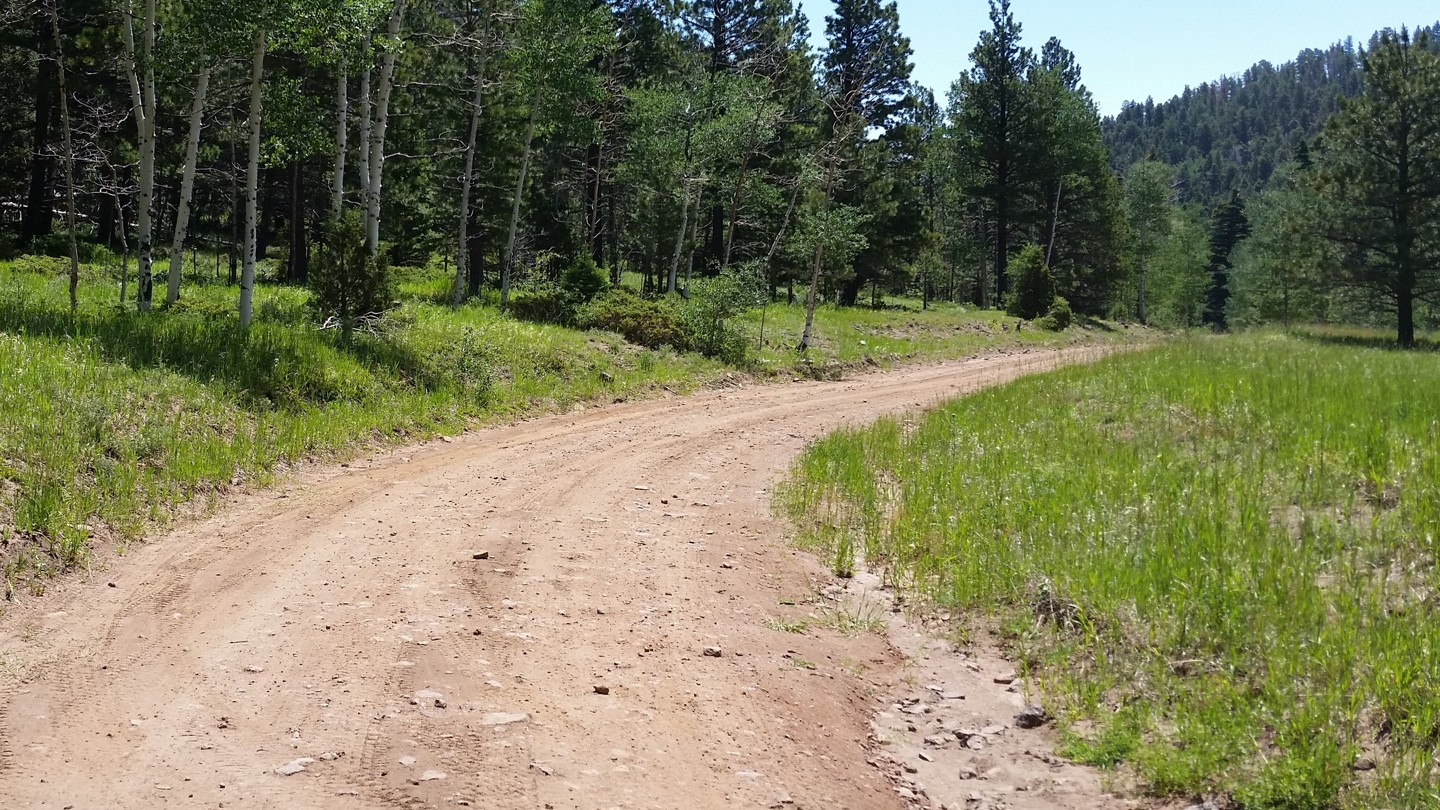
x: 1363, y: 338
x: 268, y: 366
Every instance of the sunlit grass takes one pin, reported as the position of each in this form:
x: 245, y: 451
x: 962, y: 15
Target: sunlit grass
x: 1217, y: 558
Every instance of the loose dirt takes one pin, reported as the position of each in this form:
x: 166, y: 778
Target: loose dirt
x: 570, y: 612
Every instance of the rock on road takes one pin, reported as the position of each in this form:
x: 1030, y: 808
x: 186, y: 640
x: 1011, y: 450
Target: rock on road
x: 568, y: 612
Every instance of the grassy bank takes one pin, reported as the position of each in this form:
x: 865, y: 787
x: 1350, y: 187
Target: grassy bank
x: 1216, y: 560
x: 112, y: 418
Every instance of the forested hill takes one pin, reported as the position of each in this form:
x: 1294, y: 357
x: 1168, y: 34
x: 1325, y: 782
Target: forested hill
x: 1232, y: 133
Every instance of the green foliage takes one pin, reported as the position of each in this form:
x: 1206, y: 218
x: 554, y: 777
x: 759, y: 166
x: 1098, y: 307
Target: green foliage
x: 649, y: 322
x: 1218, y: 556
x: 1230, y: 226
x: 1233, y: 133
x: 1378, y: 176
x: 346, y: 281
x: 1058, y: 318
x: 548, y: 304
x: 708, y: 317
x: 1034, y: 289
x: 581, y: 281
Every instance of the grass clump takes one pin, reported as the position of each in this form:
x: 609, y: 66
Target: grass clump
x: 1218, y: 559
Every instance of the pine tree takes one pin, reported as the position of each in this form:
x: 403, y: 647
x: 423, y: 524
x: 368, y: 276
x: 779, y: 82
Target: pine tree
x: 1229, y: 227
x: 1379, y: 171
x: 988, y: 111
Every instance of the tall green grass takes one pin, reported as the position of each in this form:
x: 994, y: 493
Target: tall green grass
x: 1216, y: 559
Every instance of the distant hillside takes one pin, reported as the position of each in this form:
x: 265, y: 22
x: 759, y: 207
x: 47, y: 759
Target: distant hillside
x: 1232, y: 133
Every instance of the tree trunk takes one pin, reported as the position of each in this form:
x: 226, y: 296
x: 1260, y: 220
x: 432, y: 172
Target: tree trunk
x: 68, y: 157
x: 477, y: 106
x: 299, y: 269
x: 506, y: 270
x: 342, y: 134
x: 814, y: 294
x: 1405, y: 309
x: 187, y: 182
x: 363, y: 147
x: 39, y: 204
x: 1142, y: 304
x: 142, y: 97
x: 766, y: 270
x: 381, y: 124
x: 679, y: 236
x: 252, y: 180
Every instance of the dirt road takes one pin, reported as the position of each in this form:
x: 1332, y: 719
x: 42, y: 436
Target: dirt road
x: 609, y: 650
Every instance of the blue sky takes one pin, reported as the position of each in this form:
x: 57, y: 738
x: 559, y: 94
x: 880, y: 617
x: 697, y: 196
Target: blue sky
x: 1130, y: 49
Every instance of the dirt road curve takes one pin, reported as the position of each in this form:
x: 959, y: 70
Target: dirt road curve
x: 341, y: 624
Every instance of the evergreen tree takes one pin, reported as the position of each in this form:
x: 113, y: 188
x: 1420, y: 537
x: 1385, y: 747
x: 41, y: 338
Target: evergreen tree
x: 1379, y: 174
x: 1229, y: 227
x: 989, y: 114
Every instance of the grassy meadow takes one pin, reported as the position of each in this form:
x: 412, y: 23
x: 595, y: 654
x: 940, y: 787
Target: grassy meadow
x: 1215, y: 560
x: 114, y: 418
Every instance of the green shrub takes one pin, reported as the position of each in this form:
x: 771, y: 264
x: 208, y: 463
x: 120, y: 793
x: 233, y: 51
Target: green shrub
x: 1059, y: 318
x: 582, y: 281
x: 643, y: 321
x: 545, y: 305
x: 41, y: 265
x: 712, y: 306
x: 346, y: 282
x: 1033, y: 287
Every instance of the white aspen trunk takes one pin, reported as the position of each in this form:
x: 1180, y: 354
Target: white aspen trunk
x: 187, y: 182
x: 142, y: 98
x: 680, y: 235
x: 462, y: 263
x: 814, y: 294
x: 694, y: 237
x: 382, y: 123
x: 342, y: 132
x: 68, y: 157
x: 515, y: 203
x: 252, y: 181
x: 362, y: 149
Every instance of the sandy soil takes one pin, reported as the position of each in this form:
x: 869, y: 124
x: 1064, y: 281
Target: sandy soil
x: 569, y: 612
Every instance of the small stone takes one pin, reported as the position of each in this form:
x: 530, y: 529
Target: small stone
x: 543, y: 769
x: 440, y: 703
x: 294, y: 766
x: 936, y: 741
x: 1032, y: 717
x: 926, y: 757
x: 714, y: 652
x: 254, y: 669
x: 602, y: 690
x: 993, y: 731
x: 968, y: 774
x: 480, y: 555
x: 1005, y: 678
x: 976, y: 743
x: 908, y: 768
x: 431, y: 776
x: 112, y: 585
x: 331, y: 756
x: 1363, y: 764
x: 347, y: 792
x: 406, y: 760
x: 504, y: 718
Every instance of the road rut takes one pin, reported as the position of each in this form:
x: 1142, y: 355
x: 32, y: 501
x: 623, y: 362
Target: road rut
x: 342, y: 624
